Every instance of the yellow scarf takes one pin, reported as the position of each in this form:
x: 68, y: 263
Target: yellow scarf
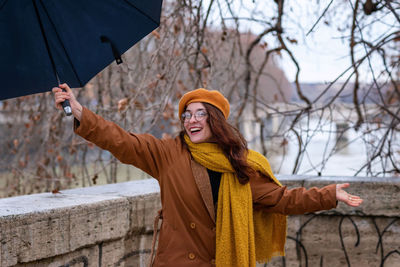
x: 243, y: 236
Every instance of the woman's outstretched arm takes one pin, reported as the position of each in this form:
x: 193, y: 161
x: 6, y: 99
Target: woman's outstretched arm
x: 273, y: 198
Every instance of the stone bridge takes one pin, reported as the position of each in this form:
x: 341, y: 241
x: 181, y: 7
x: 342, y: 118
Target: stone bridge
x: 112, y: 225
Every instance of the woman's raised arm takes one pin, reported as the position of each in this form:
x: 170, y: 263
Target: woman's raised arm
x: 60, y: 96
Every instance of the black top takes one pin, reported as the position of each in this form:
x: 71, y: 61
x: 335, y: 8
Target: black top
x: 215, y: 180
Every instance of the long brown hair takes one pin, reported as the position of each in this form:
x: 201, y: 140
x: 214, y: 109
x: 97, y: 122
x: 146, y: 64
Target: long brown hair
x: 231, y: 142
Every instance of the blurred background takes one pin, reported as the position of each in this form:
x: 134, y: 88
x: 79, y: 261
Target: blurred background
x: 314, y: 86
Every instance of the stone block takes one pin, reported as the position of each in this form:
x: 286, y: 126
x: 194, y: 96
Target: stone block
x: 144, y: 210
x: 90, y: 224
x: 33, y: 236
x: 133, y: 250
x: 83, y: 257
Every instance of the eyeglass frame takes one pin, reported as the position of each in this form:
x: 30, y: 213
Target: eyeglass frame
x: 199, y: 115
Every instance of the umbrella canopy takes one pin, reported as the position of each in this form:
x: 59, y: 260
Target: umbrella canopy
x: 74, y: 39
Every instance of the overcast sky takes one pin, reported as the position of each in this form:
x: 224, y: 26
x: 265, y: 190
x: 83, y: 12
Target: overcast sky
x: 321, y: 60
x: 322, y: 55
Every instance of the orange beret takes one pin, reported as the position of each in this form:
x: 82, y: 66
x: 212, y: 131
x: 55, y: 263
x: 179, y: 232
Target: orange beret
x: 212, y: 97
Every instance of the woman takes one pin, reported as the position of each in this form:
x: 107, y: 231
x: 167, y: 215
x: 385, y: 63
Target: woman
x: 221, y: 203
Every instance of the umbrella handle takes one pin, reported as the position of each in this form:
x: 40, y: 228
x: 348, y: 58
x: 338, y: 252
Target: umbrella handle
x: 66, y: 106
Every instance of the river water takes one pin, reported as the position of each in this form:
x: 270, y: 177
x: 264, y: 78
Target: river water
x: 323, y: 154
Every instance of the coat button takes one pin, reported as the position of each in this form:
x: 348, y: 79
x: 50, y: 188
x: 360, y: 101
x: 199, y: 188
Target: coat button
x: 213, y: 261
x: 213, y: 229
x: 192, y: 225
x: 191, y: 256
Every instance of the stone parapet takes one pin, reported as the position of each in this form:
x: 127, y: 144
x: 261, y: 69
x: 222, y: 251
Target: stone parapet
x: 52, y: 229
x: 112, y: 225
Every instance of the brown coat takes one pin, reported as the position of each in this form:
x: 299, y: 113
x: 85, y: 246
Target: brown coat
x: 187, y: 234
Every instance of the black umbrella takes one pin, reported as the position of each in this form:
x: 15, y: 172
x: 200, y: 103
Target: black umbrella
x: 45, y: 41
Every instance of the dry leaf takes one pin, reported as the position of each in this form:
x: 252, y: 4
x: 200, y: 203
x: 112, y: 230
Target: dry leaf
x: 264, y: 45
x: 293, y: 41
x: 90, y: 145
x: 72, y: 149
x: 56, y: 191
x: 122, y: 104
x: 165, y: 115
x: 160, y: 76
x: 94, y: 179
x: 138, y: 104
x: 155, y: 34
x: 284, y: 142
x: 152, y: 85
x: 21, y: 164
x: 177, y: 29
x: 166, y: 136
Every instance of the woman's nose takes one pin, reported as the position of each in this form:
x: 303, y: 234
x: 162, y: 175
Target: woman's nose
x: 192, y: 119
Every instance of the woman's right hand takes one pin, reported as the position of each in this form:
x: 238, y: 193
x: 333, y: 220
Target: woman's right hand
x: 60, y: 96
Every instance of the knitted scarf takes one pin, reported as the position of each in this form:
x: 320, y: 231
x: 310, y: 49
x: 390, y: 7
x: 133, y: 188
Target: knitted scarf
x: 243, y: 236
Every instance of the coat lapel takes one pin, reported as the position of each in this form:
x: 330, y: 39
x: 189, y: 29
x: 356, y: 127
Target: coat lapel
x: 203, y: 183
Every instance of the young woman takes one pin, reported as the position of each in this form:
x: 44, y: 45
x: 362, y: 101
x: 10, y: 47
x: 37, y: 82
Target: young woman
x: 221, y: 203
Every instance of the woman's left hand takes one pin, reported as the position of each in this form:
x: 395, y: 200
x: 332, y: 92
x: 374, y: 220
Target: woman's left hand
x: 347, y: 198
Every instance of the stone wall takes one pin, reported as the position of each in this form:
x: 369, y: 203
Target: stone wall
x: 112, y: 225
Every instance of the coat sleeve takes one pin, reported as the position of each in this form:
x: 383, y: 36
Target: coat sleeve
x: 271, y: 197
x: 141, y: 150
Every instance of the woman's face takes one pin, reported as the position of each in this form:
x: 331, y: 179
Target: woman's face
x: 198, y: 128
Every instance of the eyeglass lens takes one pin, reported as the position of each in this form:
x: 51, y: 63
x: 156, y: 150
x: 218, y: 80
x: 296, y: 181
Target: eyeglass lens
x: 198, y: 115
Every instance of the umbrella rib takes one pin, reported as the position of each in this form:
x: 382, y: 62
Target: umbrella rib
x: 140, y: 11
x: 45, y: 40
x: 2, y: 3
x: 62, y: 44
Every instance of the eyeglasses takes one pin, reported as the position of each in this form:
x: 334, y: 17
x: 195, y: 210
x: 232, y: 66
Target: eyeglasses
x: 198, y: 115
